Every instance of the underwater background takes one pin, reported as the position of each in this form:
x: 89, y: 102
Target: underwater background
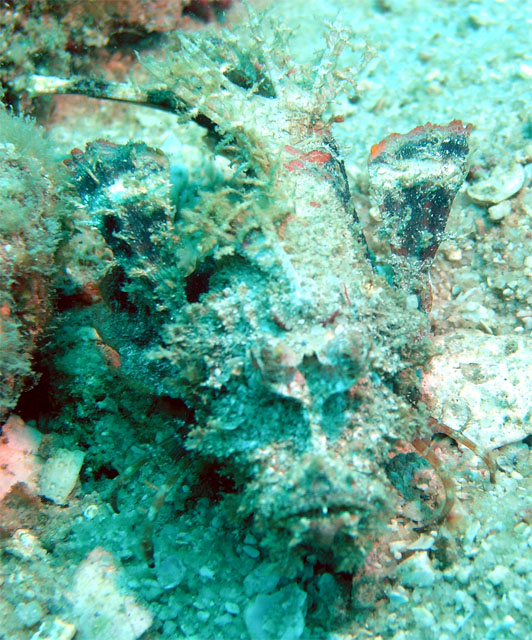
x: 241, y: 397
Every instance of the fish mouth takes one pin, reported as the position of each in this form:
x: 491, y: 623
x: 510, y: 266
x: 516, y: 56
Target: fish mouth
x: 333, y: 526
x: 339, y: 539
x: 323, y: 512
x: 320, y: 526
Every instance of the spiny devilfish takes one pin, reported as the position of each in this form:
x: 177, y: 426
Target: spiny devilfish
x: 260, y: 304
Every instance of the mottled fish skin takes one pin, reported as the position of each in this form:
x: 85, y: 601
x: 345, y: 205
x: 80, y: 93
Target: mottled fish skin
x: 261, y: 308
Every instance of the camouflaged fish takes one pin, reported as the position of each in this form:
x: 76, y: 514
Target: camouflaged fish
x: 259, y: 304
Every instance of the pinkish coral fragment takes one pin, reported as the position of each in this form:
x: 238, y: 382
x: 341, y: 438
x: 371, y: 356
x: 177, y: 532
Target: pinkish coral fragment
x: 99, y: 606
x: 18, y: 456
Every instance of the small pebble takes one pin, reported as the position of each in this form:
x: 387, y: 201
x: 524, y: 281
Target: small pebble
x: 463, y: 599
x: 206, y: 573
x: 516, y: 599
x: 464, y: 574
x: 29, y: 613
x: 496, y: 576
x: 423, y: 617
x: 170, y: 572
x: 500, y: 184
x: 416, y: 571
x: 55, y: 629
x: 453, y: 254
x: 412, y: 302
x: 222, y: 620
x: 263, y: 579
x: 481, y: 18
x: 251, y: 551
x: 523, y: 566
x: 170, y: 629
x: 232, y: 608
x: 520, y: 527
x: 525, y: 71
x: 398, y: 596
x: 499, y: 211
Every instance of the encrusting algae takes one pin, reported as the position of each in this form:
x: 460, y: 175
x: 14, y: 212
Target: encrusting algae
x: 33, y: 226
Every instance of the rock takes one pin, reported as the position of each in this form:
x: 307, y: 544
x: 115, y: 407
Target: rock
x: 252, y: 552
x: 398, y: 596
x: 206, y: 573
x: 279, y: 616
x: 29, y: 613
x: 100, y: 608
x: 463, y: 574
x: 24, y: 545
x: 59, y: 475
x: 263, y: 579
x: 55, y: 629
x: 416, y: 571
x: 170, y: 572
x: 423, y: 617
x: 523, y: 566
x: 232, y: 608
x: 499, y: 211
x: 498, y: 575
x: 476, y: 373
x: 500, y: 184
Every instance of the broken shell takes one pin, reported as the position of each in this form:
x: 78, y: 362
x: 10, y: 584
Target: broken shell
x: 502, y: 183
x: 499, y: 211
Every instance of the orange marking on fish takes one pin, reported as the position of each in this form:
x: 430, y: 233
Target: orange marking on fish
x: 317, y: 156
x: 293, y: 165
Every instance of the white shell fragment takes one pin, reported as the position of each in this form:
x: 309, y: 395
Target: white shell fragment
x: 481, y: 385
x: 24, y: 545
x: 416, y: 571
x: 499, y: 211
x: 59, y: 475
x: 501, y: 183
